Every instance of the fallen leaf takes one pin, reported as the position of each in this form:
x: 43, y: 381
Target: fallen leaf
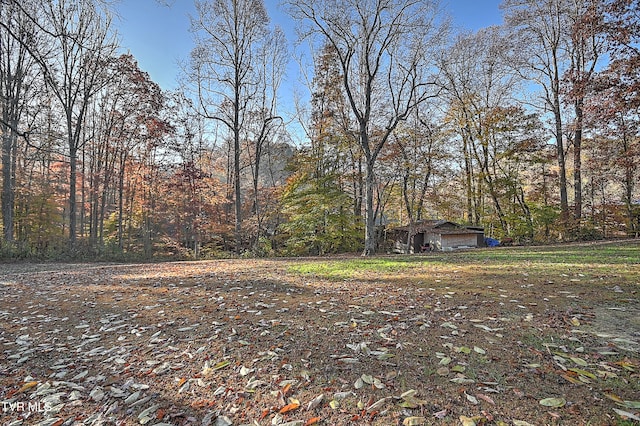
x: 553, y: 402
x: 376, y: 405
x: 614, y: 397
x: 467, y: 421
x: 442, y: 371
x: 441, y: 414
x: 631, y: 404
x: 626, y: 414
x: 472, y: 399
x: 315, y: 402
x: 462, y: 380
x: 571, y: 379
x: 286, y: 389
x: 485, y: 398
x: 244, y: 371
x: 27, y: 386
x: 479, y: 350
x: 581, y: 362
x: 414, y: 421
x: 289, y: 407
x: 221, y: 365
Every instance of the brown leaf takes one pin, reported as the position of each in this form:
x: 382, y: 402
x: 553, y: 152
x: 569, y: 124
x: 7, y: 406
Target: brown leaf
x: 289, y: 407
x: 485, y: 398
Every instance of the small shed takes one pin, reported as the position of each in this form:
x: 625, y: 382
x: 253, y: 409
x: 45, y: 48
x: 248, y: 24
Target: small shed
x: 438, y: 235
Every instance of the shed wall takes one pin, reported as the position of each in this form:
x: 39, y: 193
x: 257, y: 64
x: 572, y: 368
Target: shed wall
x: 457, y: 240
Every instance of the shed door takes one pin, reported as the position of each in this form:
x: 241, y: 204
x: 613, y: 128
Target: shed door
x: 418, y: 241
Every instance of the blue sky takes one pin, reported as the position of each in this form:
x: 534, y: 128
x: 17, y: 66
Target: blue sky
x: 158, y: 36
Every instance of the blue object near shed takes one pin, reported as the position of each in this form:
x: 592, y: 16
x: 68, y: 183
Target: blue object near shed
x: 491, y: 242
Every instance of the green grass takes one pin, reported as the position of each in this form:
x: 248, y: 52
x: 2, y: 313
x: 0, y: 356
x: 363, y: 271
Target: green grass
x: 613, y: 253
x: 609, y: 257
x: 342, y: 269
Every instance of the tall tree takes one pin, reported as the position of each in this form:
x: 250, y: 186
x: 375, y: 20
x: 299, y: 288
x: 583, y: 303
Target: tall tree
x: 263, y: 122
x: 478, y: 84
x: 127, y: 111
x: 586, y: 46
x: 15, y: 79
x: 231, y: 38
x: 615, y: 102
x: 383, y: 48
x: 539, y: 51
x: 77, y: 42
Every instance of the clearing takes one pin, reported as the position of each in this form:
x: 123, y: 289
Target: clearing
x: 509, y: 336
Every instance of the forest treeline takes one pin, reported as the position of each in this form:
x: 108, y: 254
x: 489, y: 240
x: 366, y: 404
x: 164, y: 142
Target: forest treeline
x: 529, y: 129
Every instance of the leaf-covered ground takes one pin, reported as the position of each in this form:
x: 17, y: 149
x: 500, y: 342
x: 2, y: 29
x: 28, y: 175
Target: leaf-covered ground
x: 488, y: 337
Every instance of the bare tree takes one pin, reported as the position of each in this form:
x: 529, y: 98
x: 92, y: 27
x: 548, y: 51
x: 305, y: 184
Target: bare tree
x: 227, y: 70
x: 539, y: 51
x: 263, y: 122
x: 15, y: 79
x: 477, y: 83
x: 586, y: 47
x: 383, y: 47
x: 75, y: 44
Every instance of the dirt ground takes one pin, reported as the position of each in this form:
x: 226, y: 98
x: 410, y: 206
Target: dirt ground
x: 256, y: 342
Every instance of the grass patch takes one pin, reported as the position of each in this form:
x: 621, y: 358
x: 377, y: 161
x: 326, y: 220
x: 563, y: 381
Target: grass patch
x: 344, y: 269
x: 593, y: 258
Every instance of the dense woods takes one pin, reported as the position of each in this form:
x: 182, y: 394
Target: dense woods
x: 529, y: 129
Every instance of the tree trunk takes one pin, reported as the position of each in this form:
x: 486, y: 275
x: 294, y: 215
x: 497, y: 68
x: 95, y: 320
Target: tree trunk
x: 8, y: 183
x: 237, y: 190
x: 73, y: 177
x: 121, y: 202
x: 468, y: 170
x: 370, y: 221
x: 562, y: 163
x: 577, y: 162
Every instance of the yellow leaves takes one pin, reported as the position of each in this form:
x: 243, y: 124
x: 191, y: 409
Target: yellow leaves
x: 414, y: 421
x: 584, y: 373
x: 469, y: 421
x: 571, y: 379
x: 27, y: 386
x: 627, y: 365
x: 221, y: 365
x: 622, y: 402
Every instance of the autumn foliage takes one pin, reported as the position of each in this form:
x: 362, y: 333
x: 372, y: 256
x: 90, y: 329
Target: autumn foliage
x: 105, y: 164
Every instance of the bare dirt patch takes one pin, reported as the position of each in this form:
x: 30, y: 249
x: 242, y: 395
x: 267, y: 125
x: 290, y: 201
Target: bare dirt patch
x: 433, y: 340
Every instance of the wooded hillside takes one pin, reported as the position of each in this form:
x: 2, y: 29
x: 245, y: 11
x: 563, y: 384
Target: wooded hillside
x: 529, y: 129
